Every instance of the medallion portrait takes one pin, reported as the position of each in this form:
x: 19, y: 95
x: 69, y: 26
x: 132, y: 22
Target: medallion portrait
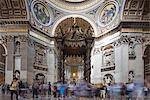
x: 41, y: 13
x: 107, y: 14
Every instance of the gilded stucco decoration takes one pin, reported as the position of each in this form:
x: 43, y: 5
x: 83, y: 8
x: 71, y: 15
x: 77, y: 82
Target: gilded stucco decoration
x: 75, y: 5
x: 41, y: 12
x: 74, y: 29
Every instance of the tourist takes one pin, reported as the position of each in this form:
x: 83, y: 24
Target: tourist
x: 14, y: 88
x: 49, y: 88
x: 35, y: 87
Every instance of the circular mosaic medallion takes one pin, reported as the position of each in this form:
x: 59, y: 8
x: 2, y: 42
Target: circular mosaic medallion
x: 41, y: 13
x: 107, y: 13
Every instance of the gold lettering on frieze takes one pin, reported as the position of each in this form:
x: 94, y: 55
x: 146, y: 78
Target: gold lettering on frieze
x: 9, y: 30
x: 131, y: 30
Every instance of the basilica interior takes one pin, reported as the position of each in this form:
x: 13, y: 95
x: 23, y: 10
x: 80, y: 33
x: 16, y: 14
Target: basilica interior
x: 68, y: 40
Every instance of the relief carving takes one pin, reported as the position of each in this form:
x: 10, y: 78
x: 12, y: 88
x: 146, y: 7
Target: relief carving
x: 133, y: 41
x: 40, y: 55
x: 17, y: 47
x: 108, y: 56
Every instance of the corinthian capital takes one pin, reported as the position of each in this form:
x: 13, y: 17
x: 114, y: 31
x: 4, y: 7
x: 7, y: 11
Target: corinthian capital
x: 124, y: 39
x: 23, y: 38
x: 7, y: 38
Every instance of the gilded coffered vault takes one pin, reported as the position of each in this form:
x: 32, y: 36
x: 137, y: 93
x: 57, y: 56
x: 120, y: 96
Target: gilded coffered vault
x: 136, y: 10
x: 13, y: 9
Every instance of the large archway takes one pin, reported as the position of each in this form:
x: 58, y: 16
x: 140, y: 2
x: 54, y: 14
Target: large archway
x: 2, y: 64
x: 74, y: 40
x: 147, y: 63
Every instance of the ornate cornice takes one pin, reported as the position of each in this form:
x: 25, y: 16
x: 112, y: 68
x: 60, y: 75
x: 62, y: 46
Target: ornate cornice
x: 127, y: 39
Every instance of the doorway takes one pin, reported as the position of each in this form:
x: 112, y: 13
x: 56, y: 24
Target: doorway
x: 147, y: 63
x: 2, y: 64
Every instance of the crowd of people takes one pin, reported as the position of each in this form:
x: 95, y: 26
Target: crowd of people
x: 80, y: 89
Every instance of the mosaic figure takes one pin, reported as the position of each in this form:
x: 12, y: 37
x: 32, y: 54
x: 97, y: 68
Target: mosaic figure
x: 107, y: 14
x: 41, y: 13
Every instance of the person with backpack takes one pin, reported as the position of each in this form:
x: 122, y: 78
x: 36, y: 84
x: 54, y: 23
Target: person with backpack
x: 13, y: 88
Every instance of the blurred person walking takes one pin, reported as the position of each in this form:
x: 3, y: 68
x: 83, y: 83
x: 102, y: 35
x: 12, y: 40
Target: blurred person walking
x: 35, y: 87
x: 130, y: 89
x: 54, y: 90
x: 49, y: 88
x: 145, y: 91
x: 14, y: 88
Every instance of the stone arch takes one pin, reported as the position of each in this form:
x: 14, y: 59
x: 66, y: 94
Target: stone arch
x: 146, y: 59
x: 2, y: 63
x: 75, y: 15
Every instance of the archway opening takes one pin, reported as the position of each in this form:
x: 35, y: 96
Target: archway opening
x: 147, y: 63
x: 2, y: 64
x: 74, y: 40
